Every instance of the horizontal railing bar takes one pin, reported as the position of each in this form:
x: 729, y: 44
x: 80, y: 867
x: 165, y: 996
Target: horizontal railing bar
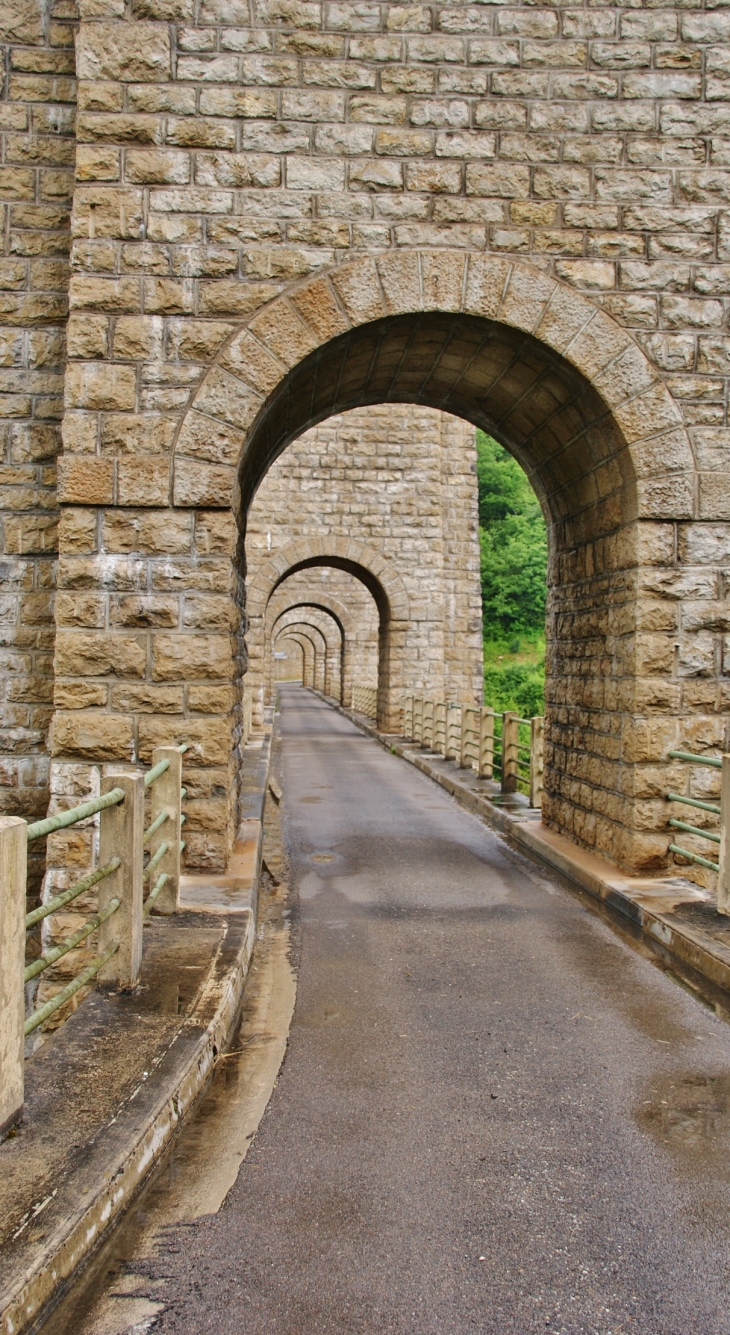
x: 153, y: 894
x: 714, y: 761
x: 155, y: 826
x: 65, y: 995
x: 68, y: 895
x: 155, y: 772
x: 81, y: 812
x: 693, y: 802
x: 525, y: 721
x: 695, y: 829
x: 694, y: 857
x: 522, y: 746
x: 46, y: 960
x: 154, y: 860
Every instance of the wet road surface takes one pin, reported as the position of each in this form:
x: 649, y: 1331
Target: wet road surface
x: 494, y: 1115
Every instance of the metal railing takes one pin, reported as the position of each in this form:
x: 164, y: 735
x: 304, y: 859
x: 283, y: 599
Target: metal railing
x: 128, y: 856
x: 498, y: 746
x: 365, y: 700
x: 713, y: 832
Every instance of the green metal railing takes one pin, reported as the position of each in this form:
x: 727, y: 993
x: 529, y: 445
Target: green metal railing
x: 492, y: 743
x: 84, y: 811
x: 711, y: 836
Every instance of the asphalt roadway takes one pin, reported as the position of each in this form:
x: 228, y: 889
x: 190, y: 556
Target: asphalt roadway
x: 494, y: 1114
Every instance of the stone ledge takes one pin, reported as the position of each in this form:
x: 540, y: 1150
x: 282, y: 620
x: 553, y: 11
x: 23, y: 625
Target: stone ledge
x: 107, y: 1092
x: 676, y: 918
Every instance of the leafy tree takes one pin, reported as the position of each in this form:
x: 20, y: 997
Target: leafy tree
x: 513, y: 544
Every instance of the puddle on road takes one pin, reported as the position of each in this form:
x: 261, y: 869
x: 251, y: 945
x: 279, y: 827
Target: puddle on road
x: 690, y: 1116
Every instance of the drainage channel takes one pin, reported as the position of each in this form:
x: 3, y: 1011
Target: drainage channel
x: 113, y: 1295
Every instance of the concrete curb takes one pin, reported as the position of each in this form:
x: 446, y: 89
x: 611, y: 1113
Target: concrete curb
x: 123, y: 1152
x: 650, y: 905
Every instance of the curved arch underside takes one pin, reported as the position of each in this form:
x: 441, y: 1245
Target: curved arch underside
x: 532, y: 399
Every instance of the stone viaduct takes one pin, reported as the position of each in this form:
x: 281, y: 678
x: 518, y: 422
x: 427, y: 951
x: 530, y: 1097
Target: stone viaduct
x: 283, y: 210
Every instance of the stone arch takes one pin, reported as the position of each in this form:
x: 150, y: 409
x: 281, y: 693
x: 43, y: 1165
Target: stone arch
x: 350, y: 631
x: 285, y: 640
x: 367, y: 565
x: 237, y: 391
x: 329, y: 671
x: 309, y: 655
x: 316, y: 635
x: 331, y: 626
x: 566, y: 388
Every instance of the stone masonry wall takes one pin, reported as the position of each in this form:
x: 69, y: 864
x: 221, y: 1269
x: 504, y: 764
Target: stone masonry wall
x: 256, y: 177
x: 37, y: 148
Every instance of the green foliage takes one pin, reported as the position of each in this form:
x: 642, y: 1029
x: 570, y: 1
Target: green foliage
x: 517, y: 686
x: 513, y: 543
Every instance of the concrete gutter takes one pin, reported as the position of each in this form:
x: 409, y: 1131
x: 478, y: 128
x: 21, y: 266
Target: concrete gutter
x: 677, y: 919
x: 107, y: 1092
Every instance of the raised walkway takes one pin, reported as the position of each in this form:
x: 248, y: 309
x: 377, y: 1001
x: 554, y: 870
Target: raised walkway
x: 495, y: 1115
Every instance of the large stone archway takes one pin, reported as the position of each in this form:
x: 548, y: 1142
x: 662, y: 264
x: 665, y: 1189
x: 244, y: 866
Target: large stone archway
x: 571, y: 393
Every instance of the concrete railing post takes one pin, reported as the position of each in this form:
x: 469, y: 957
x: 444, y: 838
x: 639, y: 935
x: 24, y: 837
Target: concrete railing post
x: 13, y: 861
x: 439, y: 727
x: 486, y: 744
x: 510, y: 738
x: 537, y: 759
x: 723, y: 876
x: 417, y: 718
x: 469, y: 735
x: 165, y: 794
x: 120, y: 835
x: 408, y: 718
x: 428, y: 724
x: 453, y: 732
x: 247, y: 711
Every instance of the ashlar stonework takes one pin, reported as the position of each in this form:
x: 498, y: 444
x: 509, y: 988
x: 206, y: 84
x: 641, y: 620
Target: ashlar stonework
x: 283, y: 211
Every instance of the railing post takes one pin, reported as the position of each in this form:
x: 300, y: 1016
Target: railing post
x: 723, y: 875
x: 120, y: 834
x: 439, y: 727
x: 469, y: 735
x: 417, y: 718
x: 165, y: 794
x: 408, y: 718
x: 13, y: 861
x: 453, y: 732
x: 486, y: 744
x: 427, y: 725
x: 537, y: 759
x: 510, y: 738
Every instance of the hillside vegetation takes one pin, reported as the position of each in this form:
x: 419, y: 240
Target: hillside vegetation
x: 513, y: 542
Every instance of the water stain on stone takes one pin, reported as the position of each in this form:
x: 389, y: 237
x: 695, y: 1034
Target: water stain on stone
x: 690, y: 1116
